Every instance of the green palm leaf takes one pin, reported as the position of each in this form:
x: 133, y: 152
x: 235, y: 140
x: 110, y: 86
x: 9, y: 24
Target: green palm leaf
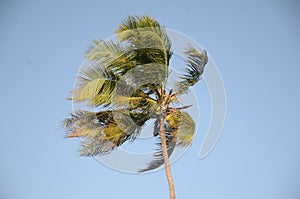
x: 186, y: 130
x: 102, y: 131
x: 95, y: 85
x: 196, y: 62
x: 184, y: 125
x: 147, y: 38
x: 111, y: 55
x: 92, y: 128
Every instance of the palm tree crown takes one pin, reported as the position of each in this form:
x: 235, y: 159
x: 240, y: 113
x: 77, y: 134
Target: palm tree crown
x: 128, y: 80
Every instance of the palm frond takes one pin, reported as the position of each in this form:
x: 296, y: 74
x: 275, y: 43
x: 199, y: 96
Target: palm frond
x: 146, y: 76
x: 148, y: 38
x: 184, y: 125
x: 130, y: 122
x: 108, y: 63
x: 156, y: 127
x: 158, y: 159
x: 81, y: 120
x: 103, y: 131
x: 173, y: 118
x: 91, y: 127
x: 107, y: 139
x: 125, y: 101
x: 134, y: 22
x: 95, y: 85
x: 196, y: 62
x: 186, y: 130
x: 95, y: 147
x: 180, y: 128
x: 111, y: 55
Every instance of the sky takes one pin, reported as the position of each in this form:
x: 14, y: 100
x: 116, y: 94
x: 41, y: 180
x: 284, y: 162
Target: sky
x: 255, y: 45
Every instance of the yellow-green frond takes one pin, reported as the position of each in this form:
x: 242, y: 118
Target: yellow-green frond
x: 184, y: 125
x: 110, y: 55
x: 186, y: 130
x: 103, y: 131
x: 147, y: 38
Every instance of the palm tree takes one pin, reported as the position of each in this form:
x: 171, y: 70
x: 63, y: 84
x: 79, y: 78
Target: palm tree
x: 127, y: 80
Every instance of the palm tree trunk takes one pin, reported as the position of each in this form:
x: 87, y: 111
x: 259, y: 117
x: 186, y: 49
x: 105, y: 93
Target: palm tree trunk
x: 165, y: 154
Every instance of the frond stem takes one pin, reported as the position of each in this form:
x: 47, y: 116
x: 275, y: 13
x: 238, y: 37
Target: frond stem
x: 184, y: 107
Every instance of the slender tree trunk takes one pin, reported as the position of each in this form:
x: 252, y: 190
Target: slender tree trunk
x: 165, y: 154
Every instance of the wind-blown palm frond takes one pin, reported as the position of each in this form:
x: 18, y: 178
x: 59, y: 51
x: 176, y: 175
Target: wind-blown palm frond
x: 111, y: 55
x: 156, y: 127
x: 93, y: 128
x: 150, y: 74
x: 148, y: 38
x: 196, y: 62
x: 134, y: 22
x: 186, y: 130
x: 107, y: 139
x: 184, y: 124
x: 95, y: 85
x: 142, y: 23
x: 158, y: 159
x: 180, y: 129
x: 102, y: 131
x: 109, y: 61
x: 134, y: 99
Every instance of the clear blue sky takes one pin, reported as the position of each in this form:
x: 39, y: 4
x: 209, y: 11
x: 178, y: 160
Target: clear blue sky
x: 256, y: 47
